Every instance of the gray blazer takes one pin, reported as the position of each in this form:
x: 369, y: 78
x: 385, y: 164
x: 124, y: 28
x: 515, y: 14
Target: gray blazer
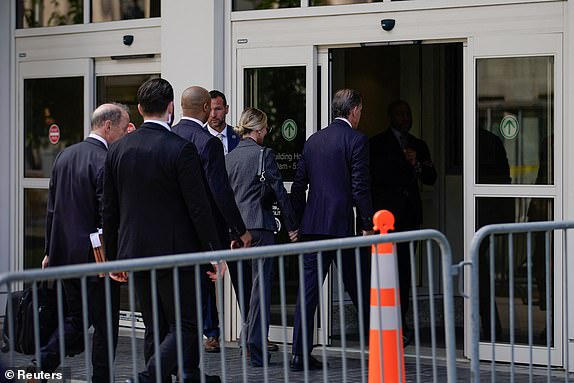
x: 242, y: 164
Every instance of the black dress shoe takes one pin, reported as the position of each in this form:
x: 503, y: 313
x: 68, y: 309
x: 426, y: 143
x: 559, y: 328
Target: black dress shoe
x: 297, y: 363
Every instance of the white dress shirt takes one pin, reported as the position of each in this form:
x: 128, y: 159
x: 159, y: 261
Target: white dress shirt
x: 222, y: 136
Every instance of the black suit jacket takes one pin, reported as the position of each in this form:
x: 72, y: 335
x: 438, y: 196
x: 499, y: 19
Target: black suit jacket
x: 155, y: 201
x: 394, y: 180
x: 335, y: 167
x: 210, y: 149
x: 74, y: 202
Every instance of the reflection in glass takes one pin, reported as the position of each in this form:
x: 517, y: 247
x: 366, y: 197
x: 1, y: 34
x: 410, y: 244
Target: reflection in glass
x: 341, y: 2
x: 248, y: 5
x: 113, y: 10
x: 50, y: 102
x: 281, y: 93
x: 48, y: 13
x: 515, y: 103
x: 122, y: 89
x: 509, y: 210
x: 35, y: 202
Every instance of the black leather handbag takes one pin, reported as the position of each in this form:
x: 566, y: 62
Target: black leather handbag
x: 267, y: 195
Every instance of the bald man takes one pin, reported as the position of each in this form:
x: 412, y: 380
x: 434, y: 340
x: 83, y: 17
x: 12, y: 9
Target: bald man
x: 196, y: 106
x: 74, y: 200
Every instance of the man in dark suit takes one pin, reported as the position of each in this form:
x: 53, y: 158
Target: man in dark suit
x: 74, y: 202
x: 335, y: 167
x: 155, y: 203
x: 399, y: 161
x: 216, y: 124
x: 196, y: 106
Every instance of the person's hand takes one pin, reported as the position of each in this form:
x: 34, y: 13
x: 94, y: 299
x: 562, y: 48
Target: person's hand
x: 411, y: 156
x: 45, y: 261
x: 246, y: 239
x: 368, y: 232
x: 294, y: 235
x: 121, y: 276
x: 218, y: 272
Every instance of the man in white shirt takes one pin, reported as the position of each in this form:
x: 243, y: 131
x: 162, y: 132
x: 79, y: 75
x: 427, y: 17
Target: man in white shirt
x: 216, y: 124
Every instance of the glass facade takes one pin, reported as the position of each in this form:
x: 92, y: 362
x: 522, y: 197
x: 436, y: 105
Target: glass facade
x: 122, y: 89
x: 512, y: 266
x: 515, y: 123
x: 249, y: 5
x: 106, y: 10
x: 53, y: 120
x: 49, y: 13
x: 281, y: 94
x: 35, y: 202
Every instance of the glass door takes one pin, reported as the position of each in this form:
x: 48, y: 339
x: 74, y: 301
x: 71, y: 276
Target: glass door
x: 55, y: 102
x: 512, y: 154
x: 119, y: 81
x: 282, y: 83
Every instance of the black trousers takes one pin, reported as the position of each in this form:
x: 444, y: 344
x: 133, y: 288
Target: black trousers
x: 73, y: 326
x: 166, y: 323
x: 246, y: 272
x: 311, y: 291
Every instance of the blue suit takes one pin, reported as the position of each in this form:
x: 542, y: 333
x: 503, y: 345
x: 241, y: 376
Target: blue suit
x: 232, y: 138
x: 335, y: 168
x: 225, y: 210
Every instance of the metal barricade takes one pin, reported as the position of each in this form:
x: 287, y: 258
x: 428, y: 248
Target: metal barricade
x: 507, y: 260
x: 232, y: 364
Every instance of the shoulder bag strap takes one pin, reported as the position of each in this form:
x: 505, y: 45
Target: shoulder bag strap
x: 261, y: 169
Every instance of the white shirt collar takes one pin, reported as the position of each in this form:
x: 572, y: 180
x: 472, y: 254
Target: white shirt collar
x: 344, y: 119
x: 162, y: 123
x: 193, y: 119
x: 215, y: 132
x: 99, y: 138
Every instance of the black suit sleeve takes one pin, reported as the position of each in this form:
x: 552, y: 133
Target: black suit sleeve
x: 361, y: 183
x: 218, y: 182
x: 50, y: 207
x: 299, y: 188
x: 100, y: 194
x: 195, y: 197
x: 110, y: 212
x: 274, y: 178
x: 428, y: 173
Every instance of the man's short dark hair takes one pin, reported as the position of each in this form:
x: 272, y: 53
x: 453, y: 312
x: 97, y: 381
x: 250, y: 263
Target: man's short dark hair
x: 344, y: 101
x: 216, y: 93
x: 154, y: 96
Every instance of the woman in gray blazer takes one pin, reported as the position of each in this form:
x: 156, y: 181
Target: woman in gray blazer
x: 244, y: 165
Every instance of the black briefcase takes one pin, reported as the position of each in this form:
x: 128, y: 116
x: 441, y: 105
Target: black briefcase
x: 23, y: 318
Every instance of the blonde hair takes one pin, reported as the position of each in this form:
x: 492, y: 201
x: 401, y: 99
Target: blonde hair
x: 252, y: 119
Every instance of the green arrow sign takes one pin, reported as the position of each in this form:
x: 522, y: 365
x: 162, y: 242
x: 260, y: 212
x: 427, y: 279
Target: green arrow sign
x: 509, y: 127
x: 289, y: 130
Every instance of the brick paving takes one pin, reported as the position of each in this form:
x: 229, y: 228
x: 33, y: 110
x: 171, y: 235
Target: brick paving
x: 278, y: 373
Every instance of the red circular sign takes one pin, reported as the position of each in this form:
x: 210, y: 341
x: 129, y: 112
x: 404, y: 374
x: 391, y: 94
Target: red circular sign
x: 54, y: 134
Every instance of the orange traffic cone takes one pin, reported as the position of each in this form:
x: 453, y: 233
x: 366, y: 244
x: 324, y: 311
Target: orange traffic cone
x: 386, y: 353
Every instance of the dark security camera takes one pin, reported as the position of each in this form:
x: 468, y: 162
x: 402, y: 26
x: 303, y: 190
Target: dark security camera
x: 388, y: 24
x: 128, y: 39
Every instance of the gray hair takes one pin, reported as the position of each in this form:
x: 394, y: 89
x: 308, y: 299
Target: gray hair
x: 111, y: 111
x: 344, y: 101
